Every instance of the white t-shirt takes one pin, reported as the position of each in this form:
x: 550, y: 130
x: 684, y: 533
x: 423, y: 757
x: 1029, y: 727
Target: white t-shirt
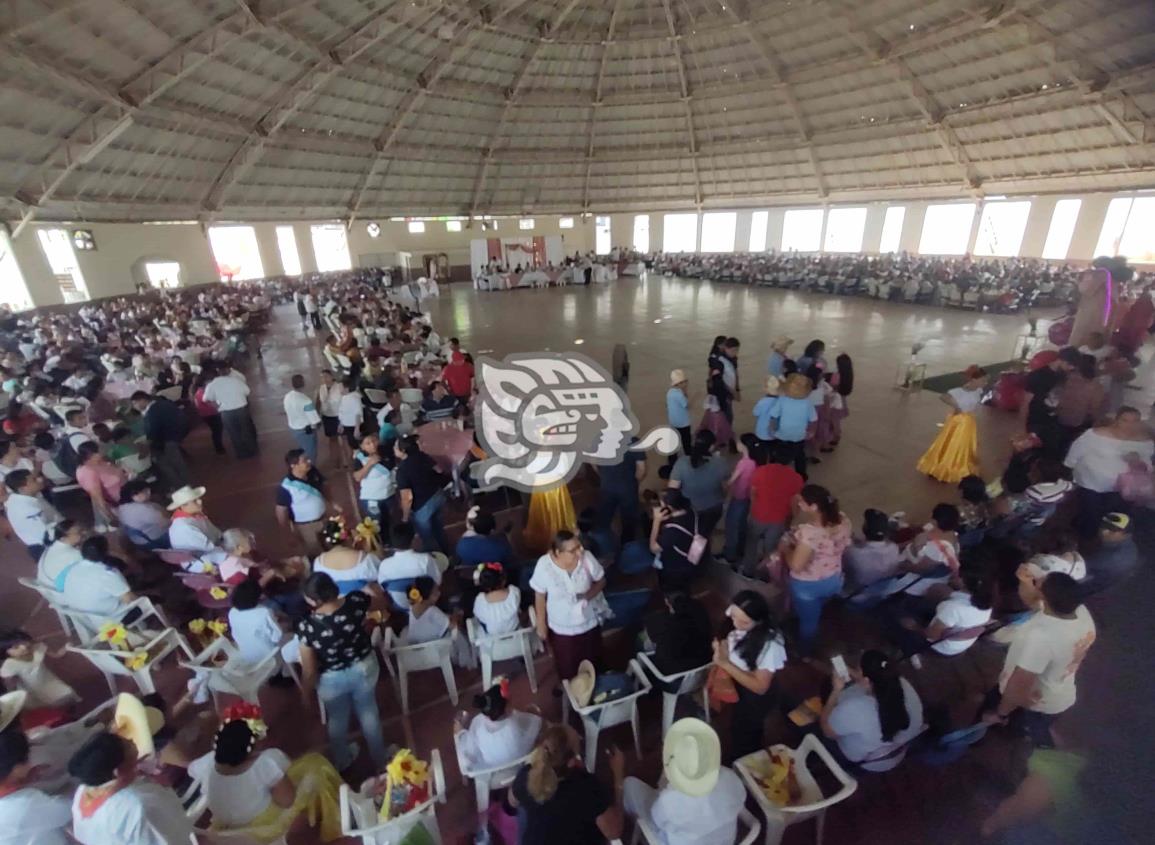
x: 143, y: 813
x: 487, y: 744
x: 349, y: 410
x: 56, y: 558
x: 966, y: 400
x: 406, y: 565
x: 499, y: 617
x: 227, y: 393
x: 1098, y: 461
x: 1051, y: 648
x: 31, y: 817
x: 958, y: 613
x: 772, y: 658
x: 256, y: 632
x: 856, y: 722
x: 94, y: 588
x: 40, y: 683
x: 710, y: 819
x: 300, y: 411
x: 21, y: 463
x: 31, y: 517
x: 366, y: 569
x: 431, y: 625
x: 235, y: 800
x: 566, y: 614
x: 329, y: 398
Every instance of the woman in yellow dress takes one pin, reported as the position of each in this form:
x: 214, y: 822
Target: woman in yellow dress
x: 550, y: 511
x: 954, y: 454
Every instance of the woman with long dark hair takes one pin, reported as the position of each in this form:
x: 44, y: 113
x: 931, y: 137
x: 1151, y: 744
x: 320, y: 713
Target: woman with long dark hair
x: 873, y: 720
x: 843, y: 383
x: 751, y: 653
x: 813, y: 555
x: 703, y: 477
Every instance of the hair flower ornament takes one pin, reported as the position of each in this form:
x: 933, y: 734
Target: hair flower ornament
x: 414, y: 594
x: 248, y: 713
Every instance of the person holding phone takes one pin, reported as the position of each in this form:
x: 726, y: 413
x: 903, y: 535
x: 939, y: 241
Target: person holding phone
x: 671, y: 535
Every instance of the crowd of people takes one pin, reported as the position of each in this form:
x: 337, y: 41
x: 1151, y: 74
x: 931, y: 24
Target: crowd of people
x: 101, y: 400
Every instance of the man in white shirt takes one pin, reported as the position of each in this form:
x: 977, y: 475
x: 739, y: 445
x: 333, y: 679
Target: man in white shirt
x: 27, y: 815
x: 702, y: 798
x: 31, y: 515
x: 231, y: 396
x: 303, y: 417
x: 396, y: 572
x: 1037, y: 683
x: 114, y: 805
x: 76, y: 428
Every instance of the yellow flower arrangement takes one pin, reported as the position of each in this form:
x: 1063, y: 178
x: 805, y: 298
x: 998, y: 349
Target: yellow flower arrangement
x: 368, y: 533
x: 219, y: 627
x: 210, y: 569
x: 197, y: 626
x: 137, y: 660
x: 113, y: 633
x: 406, y: 768
x: 218, y: 593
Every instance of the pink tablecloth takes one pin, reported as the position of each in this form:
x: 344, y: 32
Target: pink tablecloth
x: 119, y: 390
x: 445, y: 444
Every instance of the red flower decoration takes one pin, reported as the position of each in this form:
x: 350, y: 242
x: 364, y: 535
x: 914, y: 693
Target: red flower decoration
x: 504, y: 687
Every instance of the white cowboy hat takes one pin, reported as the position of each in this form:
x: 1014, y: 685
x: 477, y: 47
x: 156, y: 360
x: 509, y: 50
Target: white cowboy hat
x: 185, y: 495
x: 11, y: 703
x: 781, y: 343
x: 691, y: 757
x: 581, y: 685
x: 773, y: 385
x: 677, y: 377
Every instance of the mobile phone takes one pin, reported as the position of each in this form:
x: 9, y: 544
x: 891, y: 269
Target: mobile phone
x: 839, y: 665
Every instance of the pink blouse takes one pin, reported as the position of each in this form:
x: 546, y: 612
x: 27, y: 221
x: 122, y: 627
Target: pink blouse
x: 828, y: 544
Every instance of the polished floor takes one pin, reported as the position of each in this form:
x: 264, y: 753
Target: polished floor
x: 667, y: 323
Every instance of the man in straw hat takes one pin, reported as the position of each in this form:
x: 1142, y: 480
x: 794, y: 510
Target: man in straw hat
x: 776, y: 366
x: 702, y: 798
x: 678, y: 412
x: 192, y: 531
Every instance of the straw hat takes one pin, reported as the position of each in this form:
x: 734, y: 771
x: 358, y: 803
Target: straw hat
x: 581, y: 685
x: 692, y: 757
x: 185, y: 495
x: 781, y: 343
x: 773, y: 385
x: 136, y: 723
x: 796, y: 386
x: 11, y: 703
x: 677, y: 377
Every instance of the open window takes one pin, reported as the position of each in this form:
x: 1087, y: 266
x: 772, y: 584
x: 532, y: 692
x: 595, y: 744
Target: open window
x: 603, y: 241
x: 892, y: 229
x: 162, y: 274
x: 1001, y: 228
x: 1129, y: 230
x: 946, y: 229
x: 718, y: 231
x: 642, y: 233
x: 844, y: 229
x: 759, y: 223
x: 331, y: 247
x: 680, y: 233
x: 802, y: 230
x: 57, y: 246
x: 236, y: 252
x: 1062, y: 229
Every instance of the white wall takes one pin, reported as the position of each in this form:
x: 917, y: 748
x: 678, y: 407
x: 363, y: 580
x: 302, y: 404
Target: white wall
x: 116, y: 266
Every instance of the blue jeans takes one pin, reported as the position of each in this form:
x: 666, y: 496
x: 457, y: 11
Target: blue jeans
x: 344, y: 690
x: 427, y: 521
x: 737, y: 512
x: 306, y: 441
x: 809, y: 598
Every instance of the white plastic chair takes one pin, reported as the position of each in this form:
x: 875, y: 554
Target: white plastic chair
x: 487, y: 780
x: 597, y: 717
x: 442, y: 561
x: 172, y: 394
x: 412, y: 396
x: 522, y: 643
x: 690, y: 682
x: 135, y: 465
x: 236, y: 676
x: 644, y: 830
x: 55, y: 600
x: 417, y: 658
x: 812, y: 804
x: 360, y: 813
x: 113, y: 663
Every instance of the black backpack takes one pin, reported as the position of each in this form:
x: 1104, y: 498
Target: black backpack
x: 66, y: 458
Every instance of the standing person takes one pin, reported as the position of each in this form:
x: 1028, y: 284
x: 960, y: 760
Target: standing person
x: 566, y: 581
x: 302, y: 417
x: 678, y: 412
x: 458, y: 378
x: 1037, y: 683
x: 620, y: 366
x: 231, y: 395
x: 1037, y: 410
x: 115, y: 804
x: 703, y: 477
x: 1114, y: 559
x: 672, y: 531
x: 813, y: 555
x: 311, y: 309
x: 350, y: 414
x: 422, y: 490
x: 102, y: 482
x: 31, y: 516
x: 793, y: 417
x: 339, y: 665
x: 700, y: 799
x: 764, y: 409
x: 329, y: 394
x: 813, y: 356
x: 1079, y: 401
x: 619, y: 493
x: 773, y: 486
x: 299, y: 301
x: 208, y: 411
x: 750, y: 654
x: 165, y: 426
x: 738, y: 507
x: 301, y: 503
x: 1098, y: 457
x: 776, y: 365
x: 954, y: 453
x: 377, y: 483
x: 843, y: 383
x: 723, y: 377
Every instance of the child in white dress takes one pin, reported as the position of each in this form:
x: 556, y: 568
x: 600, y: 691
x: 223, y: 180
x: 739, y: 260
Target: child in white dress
x: 24, y: 665
x: 496, y: 736
x: 427, y: 622
x: 498, y: 604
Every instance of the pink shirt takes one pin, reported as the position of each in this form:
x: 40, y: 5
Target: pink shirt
x: 828, y: 544
x: 103, y: 479
x: 743, y: 472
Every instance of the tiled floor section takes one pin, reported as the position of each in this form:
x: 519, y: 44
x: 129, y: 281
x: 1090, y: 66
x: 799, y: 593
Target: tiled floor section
x: 671, y: 323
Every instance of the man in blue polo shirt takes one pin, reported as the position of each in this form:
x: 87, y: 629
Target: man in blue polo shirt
x: 792, y: 417
x: 678, y: 412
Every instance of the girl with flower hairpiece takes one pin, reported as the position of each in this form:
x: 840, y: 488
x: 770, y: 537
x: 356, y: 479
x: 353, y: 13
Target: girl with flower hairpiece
x: 427, y: 622
x: 350, y: 568
x: 498, y: 603
x: 261, y: 792
x: 498, y: 735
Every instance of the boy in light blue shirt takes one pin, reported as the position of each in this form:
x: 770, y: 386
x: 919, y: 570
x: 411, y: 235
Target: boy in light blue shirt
x: 764, y: 409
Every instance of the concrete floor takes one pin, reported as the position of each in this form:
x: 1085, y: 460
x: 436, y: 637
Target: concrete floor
x: 669, y: 323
